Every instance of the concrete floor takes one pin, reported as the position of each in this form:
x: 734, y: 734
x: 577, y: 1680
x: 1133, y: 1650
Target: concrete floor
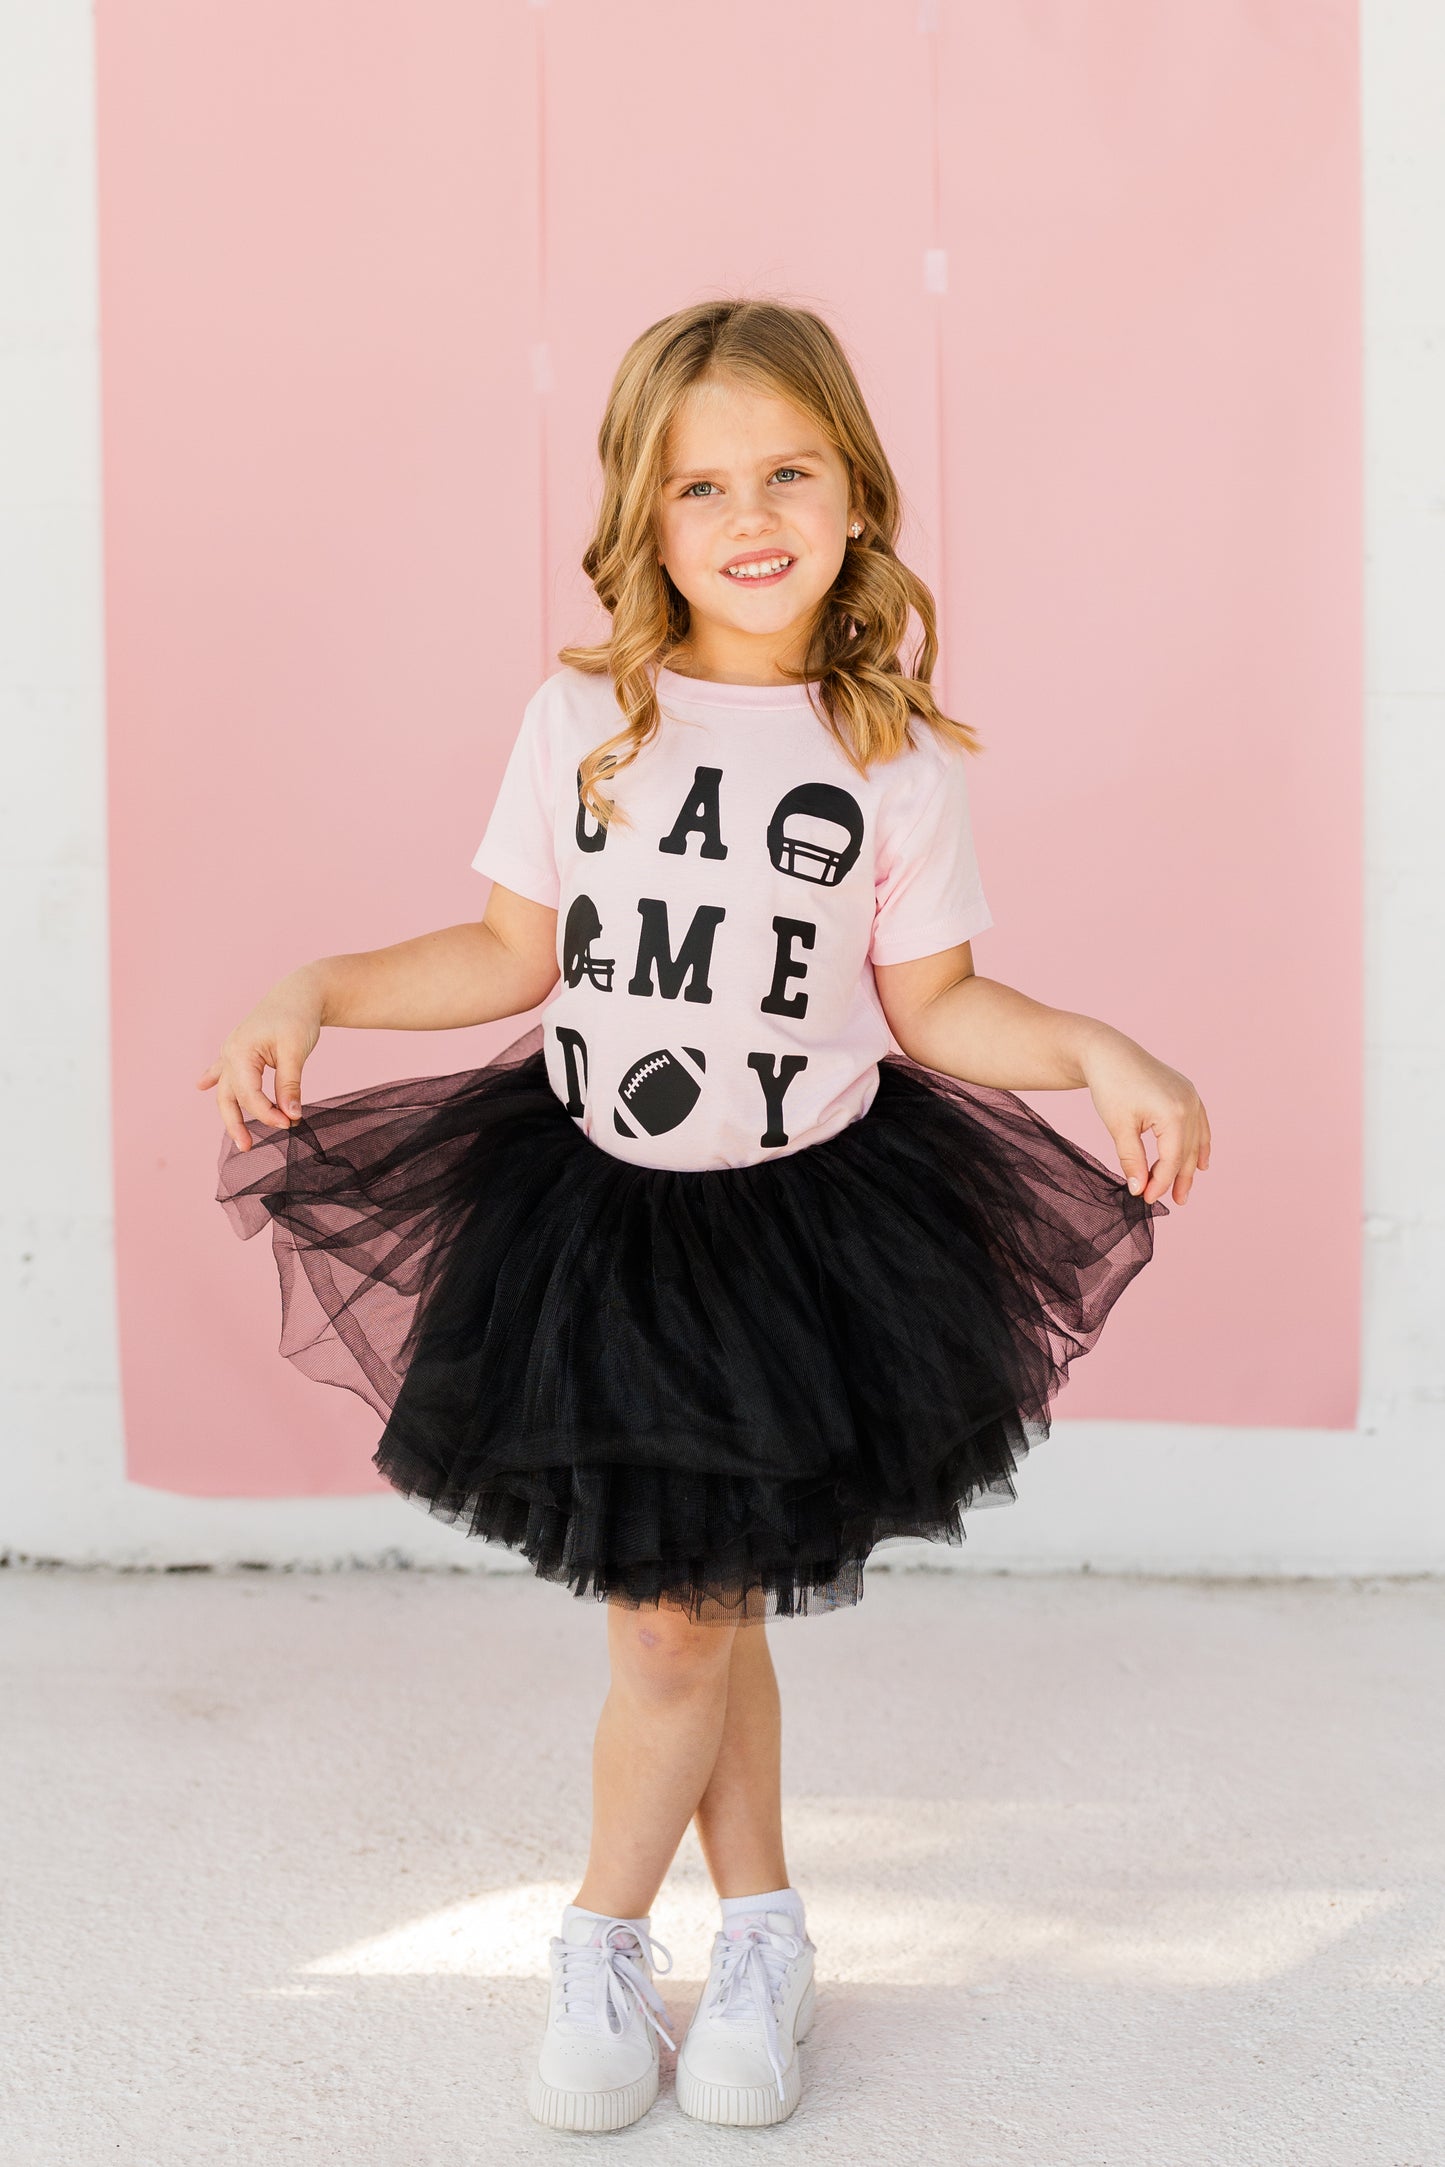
x: 1145, y: 1873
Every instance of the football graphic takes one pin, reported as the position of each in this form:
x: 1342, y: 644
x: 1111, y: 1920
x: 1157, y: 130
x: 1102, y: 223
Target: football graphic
x: 659, y: 1091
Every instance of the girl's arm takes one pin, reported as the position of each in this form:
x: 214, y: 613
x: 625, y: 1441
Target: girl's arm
x: 501, y: 965
x: 945, y: 1016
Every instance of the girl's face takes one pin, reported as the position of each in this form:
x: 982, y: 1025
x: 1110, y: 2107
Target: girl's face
x: 747, y: 479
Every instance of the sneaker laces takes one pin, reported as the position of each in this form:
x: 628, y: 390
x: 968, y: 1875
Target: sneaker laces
x: 750, y: 1972
x: 615, y: 1967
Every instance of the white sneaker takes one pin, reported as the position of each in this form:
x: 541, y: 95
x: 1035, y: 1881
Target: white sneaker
x: 598, y: 2064
x: 739, y: 2062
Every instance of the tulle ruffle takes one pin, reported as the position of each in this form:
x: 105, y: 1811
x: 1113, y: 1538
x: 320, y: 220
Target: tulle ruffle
x: 717, y: 1389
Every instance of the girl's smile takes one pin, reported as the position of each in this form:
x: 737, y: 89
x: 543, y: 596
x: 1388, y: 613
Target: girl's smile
x: 759, y: 568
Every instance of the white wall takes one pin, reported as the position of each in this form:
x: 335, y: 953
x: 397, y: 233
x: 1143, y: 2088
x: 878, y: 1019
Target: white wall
x: 1131, y: 1497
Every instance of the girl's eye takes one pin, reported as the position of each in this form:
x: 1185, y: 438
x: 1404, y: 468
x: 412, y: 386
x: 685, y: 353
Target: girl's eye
x: 708, y: 485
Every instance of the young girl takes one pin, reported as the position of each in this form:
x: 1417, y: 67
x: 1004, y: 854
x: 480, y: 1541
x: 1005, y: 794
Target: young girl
x: 702, y: 1287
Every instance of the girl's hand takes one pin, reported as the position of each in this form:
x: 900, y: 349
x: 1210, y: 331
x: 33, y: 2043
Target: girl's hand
x: 278, y: 1034
x: 1134, y: 1092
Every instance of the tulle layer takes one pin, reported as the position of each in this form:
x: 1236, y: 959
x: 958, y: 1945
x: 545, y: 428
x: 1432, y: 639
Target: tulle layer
x: 715, y: 1389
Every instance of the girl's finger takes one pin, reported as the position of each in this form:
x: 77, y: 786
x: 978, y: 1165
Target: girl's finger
x: 1167, y: 1164
x: 253, y: 1099
x: 288, y: 1080
x: 1133, y: 1159
x: 211, y: 1078
x: 1185, y: 1177
x: 231, y: 1115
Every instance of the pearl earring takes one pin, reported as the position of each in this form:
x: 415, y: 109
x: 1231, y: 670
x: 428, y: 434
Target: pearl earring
x: 855, y: 530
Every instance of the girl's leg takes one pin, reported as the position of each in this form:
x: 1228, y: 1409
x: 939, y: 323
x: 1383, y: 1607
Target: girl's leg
x: 740, y: 1814
x: 656, y: 1746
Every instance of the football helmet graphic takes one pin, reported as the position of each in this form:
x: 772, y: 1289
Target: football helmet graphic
x: 583, y: 927
x: 795, y: 843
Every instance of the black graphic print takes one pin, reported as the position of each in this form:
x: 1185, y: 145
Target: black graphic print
x: 588, y: 838
x: 815, y: 835
x: 777, y: 1002
x: 659, y: 1092
x: 700, y: 816
x: 801, y: 854
x: 574, y: 1059
x: 775, y: 1076
x: 583, y: 927
x: 692, y: 961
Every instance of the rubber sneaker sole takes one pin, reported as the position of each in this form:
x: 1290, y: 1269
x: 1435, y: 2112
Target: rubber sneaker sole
x: 591, y: 2110
x: 748, y: 2106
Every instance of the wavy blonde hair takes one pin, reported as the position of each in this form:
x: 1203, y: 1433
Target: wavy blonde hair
x: 867, y: 695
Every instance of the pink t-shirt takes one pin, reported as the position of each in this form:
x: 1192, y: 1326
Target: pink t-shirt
x: 717, y: 1004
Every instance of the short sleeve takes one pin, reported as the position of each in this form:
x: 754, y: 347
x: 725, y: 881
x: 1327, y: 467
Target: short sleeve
x: 518, y: 847
x: 926, y: 878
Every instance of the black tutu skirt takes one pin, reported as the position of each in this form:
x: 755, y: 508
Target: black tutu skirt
x: 718, y: 1388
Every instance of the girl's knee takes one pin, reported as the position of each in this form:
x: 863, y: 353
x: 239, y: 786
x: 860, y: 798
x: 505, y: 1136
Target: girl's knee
x: 664, y: 1649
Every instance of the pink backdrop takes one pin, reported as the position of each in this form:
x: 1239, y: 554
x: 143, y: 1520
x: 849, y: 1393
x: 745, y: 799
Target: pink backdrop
x: 366, y: 273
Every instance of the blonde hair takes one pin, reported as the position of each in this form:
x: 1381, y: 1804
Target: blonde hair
x: 867, y: 696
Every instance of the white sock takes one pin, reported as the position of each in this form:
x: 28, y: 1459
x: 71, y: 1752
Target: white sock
x: 770, y: 1900
x: 580, y: 1911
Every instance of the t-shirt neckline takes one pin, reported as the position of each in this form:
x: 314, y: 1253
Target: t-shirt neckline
x: 708, y: 692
